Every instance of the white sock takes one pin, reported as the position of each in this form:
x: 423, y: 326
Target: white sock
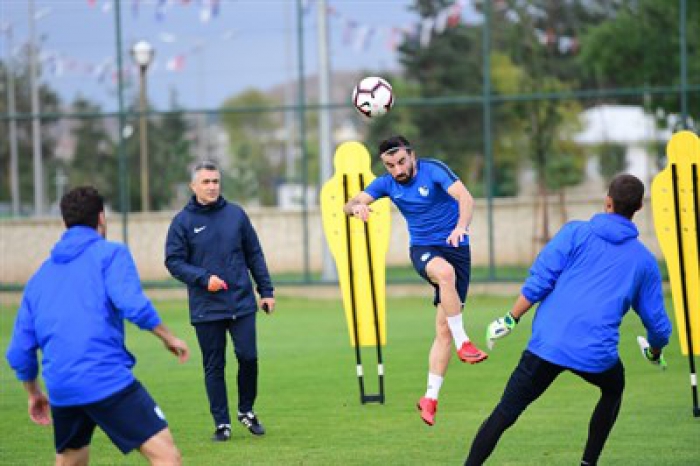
x: 434, y: 384
x: 457, y: 330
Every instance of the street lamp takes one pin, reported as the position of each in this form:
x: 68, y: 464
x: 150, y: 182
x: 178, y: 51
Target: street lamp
x: 142, y: 52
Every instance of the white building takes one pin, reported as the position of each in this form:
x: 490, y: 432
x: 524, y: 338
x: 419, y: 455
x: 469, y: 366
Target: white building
x: 628, y: 126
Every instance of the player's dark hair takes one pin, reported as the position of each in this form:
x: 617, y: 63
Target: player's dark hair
x: 393, y: 144
x: 82, y: 206
x: 626, y: 192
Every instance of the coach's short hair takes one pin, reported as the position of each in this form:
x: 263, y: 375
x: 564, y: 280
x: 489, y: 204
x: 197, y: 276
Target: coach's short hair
x: 82, y: 206
x: 393, y: 144
x: 203, y: 165
x: 627, y: 193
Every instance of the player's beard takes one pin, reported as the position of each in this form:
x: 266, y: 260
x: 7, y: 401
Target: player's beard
x: 408, y: 176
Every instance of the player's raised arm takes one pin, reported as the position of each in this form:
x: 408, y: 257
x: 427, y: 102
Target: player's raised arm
x: 359, y: 207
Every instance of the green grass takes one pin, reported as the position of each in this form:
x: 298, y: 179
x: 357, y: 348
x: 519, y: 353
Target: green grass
x: 406, y: 274
x: 309, y: 398
x: 399, y: 274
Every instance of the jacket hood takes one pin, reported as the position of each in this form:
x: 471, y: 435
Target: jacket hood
x: 194, y: 206
x: 613, y: 228
x: 73, y: 242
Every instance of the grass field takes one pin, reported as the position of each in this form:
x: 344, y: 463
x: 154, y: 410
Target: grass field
x: 309, y: 398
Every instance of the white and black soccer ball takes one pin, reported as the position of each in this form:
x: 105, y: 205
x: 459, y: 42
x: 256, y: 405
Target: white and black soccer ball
x: 373, y: 97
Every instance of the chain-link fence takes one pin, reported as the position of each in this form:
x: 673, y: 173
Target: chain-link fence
x: 535, y: 108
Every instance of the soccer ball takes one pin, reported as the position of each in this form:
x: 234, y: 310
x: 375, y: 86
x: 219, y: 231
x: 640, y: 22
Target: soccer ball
x: 373, y: 97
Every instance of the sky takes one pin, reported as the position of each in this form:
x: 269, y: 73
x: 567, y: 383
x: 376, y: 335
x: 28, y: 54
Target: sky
x: 205, y: 50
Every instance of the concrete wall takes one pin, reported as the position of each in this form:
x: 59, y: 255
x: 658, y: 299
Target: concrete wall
x: 25, y: 243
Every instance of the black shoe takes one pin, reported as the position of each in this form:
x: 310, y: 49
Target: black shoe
x: 250, y: 420
x: 222, y: 433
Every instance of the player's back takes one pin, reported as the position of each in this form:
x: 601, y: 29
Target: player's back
x: 577, y: 323
x: 79, y: 331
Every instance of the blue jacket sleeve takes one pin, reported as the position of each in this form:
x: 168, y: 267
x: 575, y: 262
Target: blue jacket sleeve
x: 649, y: 304
x: 123, y: 287
x: 549, y: 264
x: 176, y: 254
x: 21, y: 354
x: 255, y: 259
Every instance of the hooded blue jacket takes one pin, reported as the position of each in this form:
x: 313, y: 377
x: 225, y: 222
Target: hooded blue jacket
x: 73, y: 310
x: 586, y: 279
x: 217, y: 239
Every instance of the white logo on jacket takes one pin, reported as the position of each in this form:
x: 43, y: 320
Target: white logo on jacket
x: 198, y: 229
x: 424, y: 191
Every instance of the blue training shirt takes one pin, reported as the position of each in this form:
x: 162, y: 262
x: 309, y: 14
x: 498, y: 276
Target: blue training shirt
x: 430, y: 212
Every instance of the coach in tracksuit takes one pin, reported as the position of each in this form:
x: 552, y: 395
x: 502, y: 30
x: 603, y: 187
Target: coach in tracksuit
x: 585, y: 279
x: 213, y: 248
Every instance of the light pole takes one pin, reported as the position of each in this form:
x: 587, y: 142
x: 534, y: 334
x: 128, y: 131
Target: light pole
x: 328, y: 271
x: 142, y: 52
x: 37, y: 157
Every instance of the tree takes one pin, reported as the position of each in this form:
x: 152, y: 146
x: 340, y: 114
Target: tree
x: 640, y: 46
x: 529, y: 41
x: 526, y: 58
x: 94, y: 160
x: 450, y: 65
x: 49, y: 103
x: 509, y: 132
x: 253, y: 173
x: 170, y: 157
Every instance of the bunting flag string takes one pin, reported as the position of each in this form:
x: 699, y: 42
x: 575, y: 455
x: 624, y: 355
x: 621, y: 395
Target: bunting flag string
x: 208, y: 9
x: 359, y: 35
x: 564, y: 44
x: 59, y: 65
x: 355, y: 34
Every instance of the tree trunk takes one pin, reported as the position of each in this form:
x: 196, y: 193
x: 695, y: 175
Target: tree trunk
x: 563, y: 213
x: 540, y: 223
x: 544, y: 237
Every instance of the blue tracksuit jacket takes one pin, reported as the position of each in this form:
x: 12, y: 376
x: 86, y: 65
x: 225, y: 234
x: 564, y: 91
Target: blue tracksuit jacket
x: 73, y: 310
x: 586, y: 279
x: 217, y: 239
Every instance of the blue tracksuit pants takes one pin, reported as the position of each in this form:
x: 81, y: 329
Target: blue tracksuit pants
x: 212, y: 342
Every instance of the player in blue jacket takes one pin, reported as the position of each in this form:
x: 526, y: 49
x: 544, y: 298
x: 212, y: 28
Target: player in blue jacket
x: 212, y: 247
x: 73, y: 311
x: 585, y: 279
x: 438, y: 209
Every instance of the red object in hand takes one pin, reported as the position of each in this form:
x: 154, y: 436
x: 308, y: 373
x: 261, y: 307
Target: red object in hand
x: 216, y: 284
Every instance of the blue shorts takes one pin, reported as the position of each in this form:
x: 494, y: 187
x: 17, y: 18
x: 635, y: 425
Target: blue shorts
x: 460, y: 258
x: 129, y: 418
